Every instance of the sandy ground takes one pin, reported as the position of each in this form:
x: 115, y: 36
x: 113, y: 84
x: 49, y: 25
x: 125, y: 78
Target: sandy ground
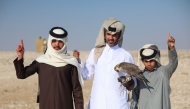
x: 21, y: 94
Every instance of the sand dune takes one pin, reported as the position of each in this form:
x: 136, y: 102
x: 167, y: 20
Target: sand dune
x: 21, y: 94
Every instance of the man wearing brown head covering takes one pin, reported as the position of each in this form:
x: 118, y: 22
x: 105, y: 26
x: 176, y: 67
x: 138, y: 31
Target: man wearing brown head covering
x: 106, y: 91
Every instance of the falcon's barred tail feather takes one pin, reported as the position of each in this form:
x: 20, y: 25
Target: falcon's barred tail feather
x: 145, y: 83
x: 144, y: 80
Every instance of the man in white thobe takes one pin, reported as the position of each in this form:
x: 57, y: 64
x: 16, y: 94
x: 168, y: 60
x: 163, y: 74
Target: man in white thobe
x: 107, y: 92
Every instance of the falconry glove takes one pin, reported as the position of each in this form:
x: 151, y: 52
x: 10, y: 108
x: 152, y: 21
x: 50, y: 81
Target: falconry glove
x: 125, y: 83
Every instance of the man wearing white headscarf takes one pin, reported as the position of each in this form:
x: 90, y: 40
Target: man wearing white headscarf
x: 107, y: 92
x: 157, y: 95
x: 59, y: 79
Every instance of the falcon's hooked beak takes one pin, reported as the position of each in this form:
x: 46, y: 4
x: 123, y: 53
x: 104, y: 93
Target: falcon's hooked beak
x: 116, y: 68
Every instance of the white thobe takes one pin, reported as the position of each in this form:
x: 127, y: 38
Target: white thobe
x: 107, y: 92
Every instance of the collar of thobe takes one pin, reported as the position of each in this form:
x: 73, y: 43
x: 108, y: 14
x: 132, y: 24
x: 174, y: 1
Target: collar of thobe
x: 108, y: 48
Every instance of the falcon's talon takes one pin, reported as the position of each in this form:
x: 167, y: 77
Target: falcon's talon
x: 128, y: 79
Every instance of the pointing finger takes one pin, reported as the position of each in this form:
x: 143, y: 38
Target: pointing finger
x: 169, y: 35
x: 22, y: 43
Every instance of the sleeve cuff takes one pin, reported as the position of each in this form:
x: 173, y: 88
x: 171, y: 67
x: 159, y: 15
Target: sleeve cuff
x: 172, y: 53
x: 18, y: 63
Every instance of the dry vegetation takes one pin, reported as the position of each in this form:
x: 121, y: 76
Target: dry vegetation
x: 21, y: 94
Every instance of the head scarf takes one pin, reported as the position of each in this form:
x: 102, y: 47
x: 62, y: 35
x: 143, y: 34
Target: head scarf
x: 149, y: 52
x: 113, y: 26
x: 59, y: 58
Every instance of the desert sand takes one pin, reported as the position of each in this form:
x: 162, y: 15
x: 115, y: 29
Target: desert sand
x: 21, y: 94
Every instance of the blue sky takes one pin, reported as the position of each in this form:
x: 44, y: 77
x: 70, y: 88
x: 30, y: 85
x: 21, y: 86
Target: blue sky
x: 146, y: 21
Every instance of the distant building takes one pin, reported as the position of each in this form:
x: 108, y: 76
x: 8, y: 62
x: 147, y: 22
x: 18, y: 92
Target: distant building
x: 41, y: 45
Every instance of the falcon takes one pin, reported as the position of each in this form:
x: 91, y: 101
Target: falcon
x: 132, y: 70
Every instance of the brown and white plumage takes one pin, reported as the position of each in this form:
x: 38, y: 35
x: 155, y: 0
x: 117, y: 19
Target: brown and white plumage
x: 132, y: 70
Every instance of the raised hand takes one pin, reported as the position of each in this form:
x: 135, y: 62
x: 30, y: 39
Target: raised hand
x: 171, y: 42
x: 20, y: 50
x: 76, y: 54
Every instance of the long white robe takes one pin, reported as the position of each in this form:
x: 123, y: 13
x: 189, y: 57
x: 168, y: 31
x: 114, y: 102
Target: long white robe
x: 107, y: 92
